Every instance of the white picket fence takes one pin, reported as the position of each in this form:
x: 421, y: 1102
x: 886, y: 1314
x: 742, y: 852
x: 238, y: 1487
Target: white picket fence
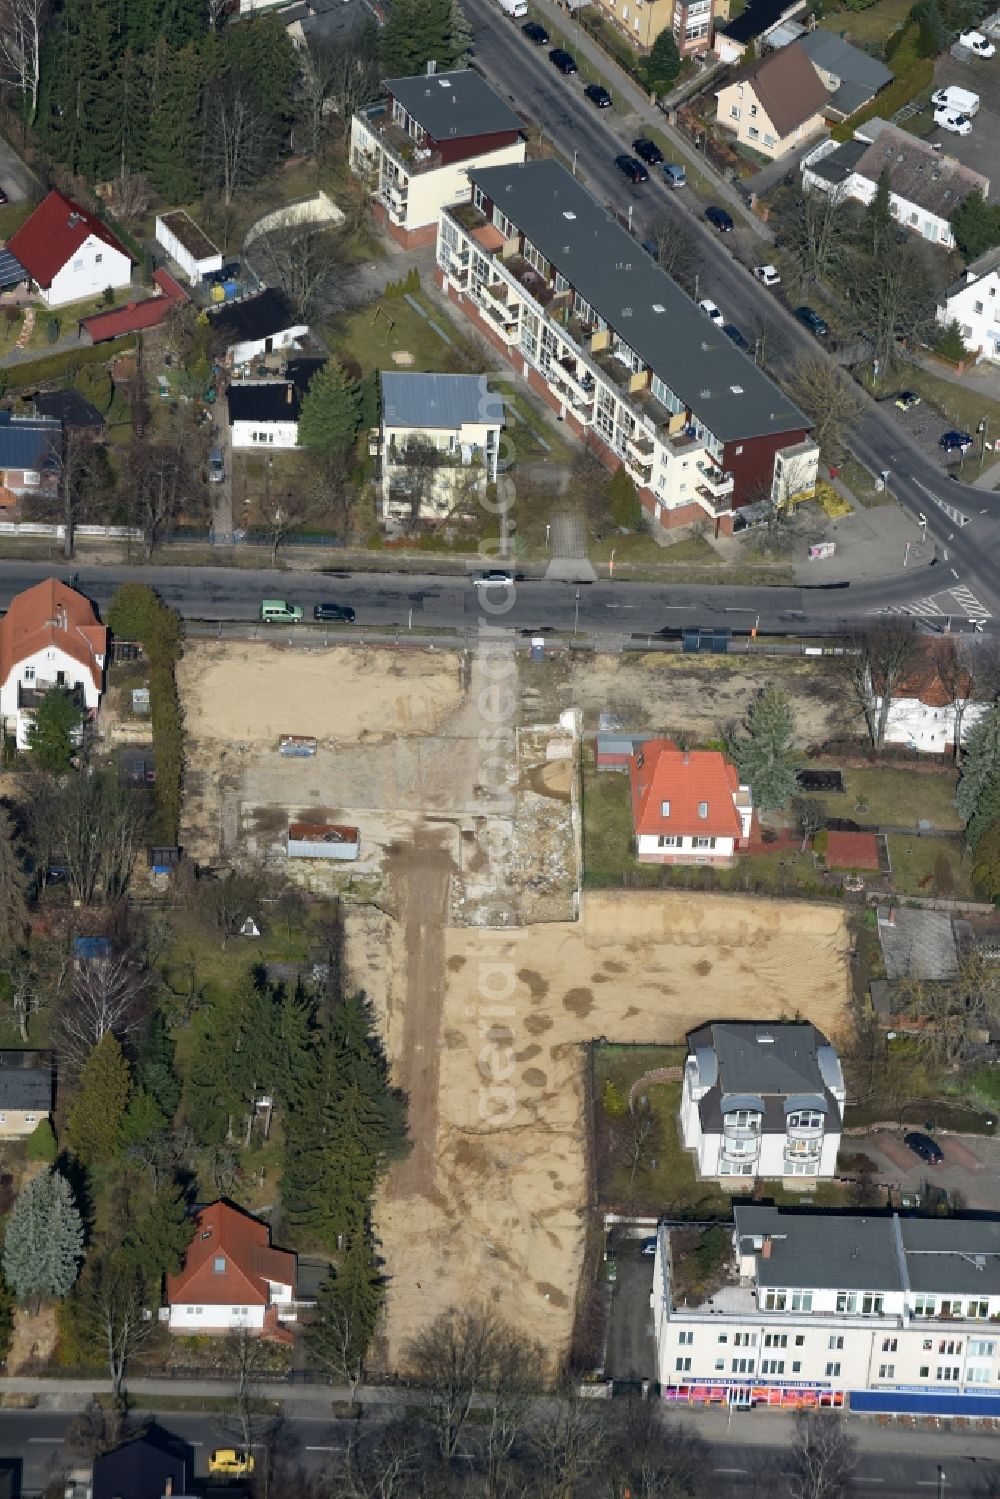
x: 43, y: 528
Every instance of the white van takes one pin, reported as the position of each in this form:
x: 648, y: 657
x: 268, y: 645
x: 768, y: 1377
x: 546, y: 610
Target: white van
x: 959, y: 101
x: 516, y: 9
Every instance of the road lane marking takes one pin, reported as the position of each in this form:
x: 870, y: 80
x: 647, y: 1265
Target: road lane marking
x: 321, y: 1449
x: 56, y: 1441
x: 950, y: 511
x: 729, y: 1470
x: 954, y: 574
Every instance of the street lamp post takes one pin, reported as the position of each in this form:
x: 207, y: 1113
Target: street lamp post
x: 575, y: 154
x: 611, y: 564
x: 940, y: 1491
x: 576, y: 614
x: 984, y: 427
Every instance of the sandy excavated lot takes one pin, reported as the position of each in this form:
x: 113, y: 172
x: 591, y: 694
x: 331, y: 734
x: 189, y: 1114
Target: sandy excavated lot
x: 692, y: 695
x: 495, y: 1210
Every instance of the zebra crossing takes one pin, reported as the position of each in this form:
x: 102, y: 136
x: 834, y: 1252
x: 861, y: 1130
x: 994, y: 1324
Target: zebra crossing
x: 954, y: 603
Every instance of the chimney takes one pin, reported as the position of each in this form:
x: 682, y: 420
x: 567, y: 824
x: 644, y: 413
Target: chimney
x: 685, y: 758
x: 168, y: 1487
x: 892, y: 916
x: 765, y: 1249
x: 288, y: 393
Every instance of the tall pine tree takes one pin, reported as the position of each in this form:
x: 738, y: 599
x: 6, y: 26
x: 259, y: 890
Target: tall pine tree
x: 347, y: 1311
x: 764, y: 755
x: 43, y: 1244
x: 980, y: 763
x: 95, y: 1119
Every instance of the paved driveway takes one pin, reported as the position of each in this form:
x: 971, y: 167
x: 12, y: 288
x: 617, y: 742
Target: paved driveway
x: 971, y: 1166
x: 16, y: 178
x: 631, y: 1347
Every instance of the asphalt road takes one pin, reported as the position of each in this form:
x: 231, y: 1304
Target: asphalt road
x: 391, y: 601
x: 747, y: 1455
x: 523, y: 73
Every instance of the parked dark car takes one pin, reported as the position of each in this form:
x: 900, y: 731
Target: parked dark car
x: 651, y: 248
x: 731, y: 331
x: 954, y: 441
x: 649, y: 1246
x: 598, y: 95
x: 922, y: 1145
x: 535, y: 33
x: 647, y: 151
x: 338, y: 614
x: 632, y: 169
x: 811, y: 319
x: 564, y: 61
x: 722, y: 220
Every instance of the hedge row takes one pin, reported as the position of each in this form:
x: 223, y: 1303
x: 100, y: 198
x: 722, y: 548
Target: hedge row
x: 138, y: 613
x: 66, y: 362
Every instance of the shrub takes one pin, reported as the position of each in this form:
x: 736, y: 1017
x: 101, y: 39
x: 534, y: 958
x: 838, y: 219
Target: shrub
x: 950, y: 344
x: 821, y: 842
x: 138, y: 613
x: 376, y: 541
x: 612, y: 1101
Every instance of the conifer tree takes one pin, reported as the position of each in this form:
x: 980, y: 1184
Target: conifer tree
x: 764, y: 754
x: 95, y: 1119
x: 43, y: 1244
x: 348, y: 1304
x: 330, y: 412
x: 980, y: 763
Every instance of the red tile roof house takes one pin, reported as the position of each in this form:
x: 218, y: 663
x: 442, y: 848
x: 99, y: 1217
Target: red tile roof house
x: 69, y: 253
x: 231, y: 1277
x: 49, y: 637
x: 688, y: 807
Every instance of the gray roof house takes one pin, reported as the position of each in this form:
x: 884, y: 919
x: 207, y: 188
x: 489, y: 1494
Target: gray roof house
x: 851, y: 76
x: 25, y: 1091
x: 762, y: 1099
x: 30, y: 450
x: 439, y: 440
x: 446, y: 105
x: 925, y: 185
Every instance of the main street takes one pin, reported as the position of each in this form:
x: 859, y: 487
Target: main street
x: 593, y: 138
x: 747, y: 1455
x: 606, y: 610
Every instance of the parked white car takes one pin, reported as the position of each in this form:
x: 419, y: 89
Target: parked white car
x: 767, y: 275
x: 977, y: 43
x: 709, y: 308
x: 958, y: 124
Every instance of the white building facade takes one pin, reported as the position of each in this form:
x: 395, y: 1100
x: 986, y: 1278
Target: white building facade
x: 439, y: 442
x: 974, y: 304
x: 886, y: 1314
x: 49, y: 637
x: 762, y: 1101
x: 930, y: 727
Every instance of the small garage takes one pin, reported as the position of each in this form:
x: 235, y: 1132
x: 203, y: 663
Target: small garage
x: 322, y: 840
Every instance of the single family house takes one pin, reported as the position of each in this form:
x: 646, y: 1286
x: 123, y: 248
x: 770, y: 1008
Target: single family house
x: 688, y: 806
x: 231, y: 1276
x: 151, y: 1465
x: 265, y: 413
x: 925, y: 187
x: 25, y: 1092
x: 439, y: 432
x: 69, y: 253
x: 927, y: 704
x: 49, y: 637
x: 256, y: 325
x: 752, y: 28
x: 415, y: 147
x: 762, y: 1100
x: 775, y: 104
x: 30, y: 454
x: 851, y: 77
x: 973, y: 302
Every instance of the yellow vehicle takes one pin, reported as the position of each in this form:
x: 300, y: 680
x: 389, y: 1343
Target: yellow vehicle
x: 232, y: 1461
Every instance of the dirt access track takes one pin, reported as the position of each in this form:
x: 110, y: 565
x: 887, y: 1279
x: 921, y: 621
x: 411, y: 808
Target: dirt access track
x: 484, y: 1030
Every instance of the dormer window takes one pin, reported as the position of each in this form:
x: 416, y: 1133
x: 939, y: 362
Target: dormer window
x: 664, y: 809
x: 703, y: 809
x: 219, y: 1264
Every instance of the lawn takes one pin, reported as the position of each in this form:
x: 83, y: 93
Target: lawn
x: 899, y: 798
x: 862, y: 484
x: 370, y: 337
x: 607, y: 827
x: 639, y: 547
x: 929, y: 866
x: 868, y: 29
x: 12, y: 216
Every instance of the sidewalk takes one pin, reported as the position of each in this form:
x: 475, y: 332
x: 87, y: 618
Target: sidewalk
x: 638, y: 103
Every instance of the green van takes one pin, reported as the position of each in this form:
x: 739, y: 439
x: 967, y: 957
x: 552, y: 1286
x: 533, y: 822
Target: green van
x: 278, y: 612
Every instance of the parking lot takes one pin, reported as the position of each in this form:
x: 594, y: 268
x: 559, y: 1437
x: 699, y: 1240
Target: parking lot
x: 925, y: 426
x: 981, y: 149
x: 971, y: 1166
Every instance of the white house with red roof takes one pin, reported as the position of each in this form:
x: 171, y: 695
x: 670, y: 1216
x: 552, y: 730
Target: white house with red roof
x: 926, y: 709
x: 49, y: 637
x: 688, y: 806
x: 69, y: 253
x: 231, y: 1276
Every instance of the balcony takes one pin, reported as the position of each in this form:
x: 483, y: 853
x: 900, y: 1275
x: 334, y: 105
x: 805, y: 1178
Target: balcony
x: 641, y: 444
x: 804, y: 1132
x: 578, y: 375
x: 749, y: 1131
x: 533, y: 281
x: 506, y: 321
x: 401, y: 148
x: 30, y: 695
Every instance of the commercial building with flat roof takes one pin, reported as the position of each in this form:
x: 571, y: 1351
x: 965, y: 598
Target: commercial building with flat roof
x: 882, y: 1312
x: 616, y: 347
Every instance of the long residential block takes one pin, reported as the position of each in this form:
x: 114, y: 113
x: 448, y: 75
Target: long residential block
x: 618, y: 349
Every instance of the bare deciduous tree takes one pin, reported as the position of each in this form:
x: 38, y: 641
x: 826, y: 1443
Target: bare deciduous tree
x: 678, y: 252
x: 114, y: 1302
x: 130, y: 196
x: 517, y: 1365
x: 99, y: 826
x: 106, y: 995
x: 816, y: 230
x: 162, y: 481
x: 22, y: 24
x: 877, y: 658
x: 454, y: 1358
x: 284, y: 514
x: 823, y: 1457
x: 566, y: 1443
x: 245, y: 1361
x: 829, y: 397
x: 653, y: 1456
x: 240, y: 135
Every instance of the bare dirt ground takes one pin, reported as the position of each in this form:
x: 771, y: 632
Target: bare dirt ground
x: 490, y: 1204
x: 690, y: 695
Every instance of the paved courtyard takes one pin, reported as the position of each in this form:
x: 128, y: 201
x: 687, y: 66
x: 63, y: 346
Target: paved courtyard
x: 971, y: 1166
